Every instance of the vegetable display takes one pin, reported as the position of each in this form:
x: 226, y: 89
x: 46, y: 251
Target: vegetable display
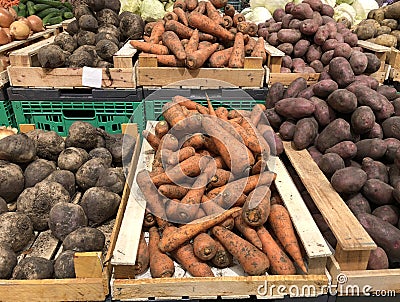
x: 71, y: 198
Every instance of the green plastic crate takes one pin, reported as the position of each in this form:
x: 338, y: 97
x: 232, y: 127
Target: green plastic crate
x: 58, y: 116
x: 7, y: 117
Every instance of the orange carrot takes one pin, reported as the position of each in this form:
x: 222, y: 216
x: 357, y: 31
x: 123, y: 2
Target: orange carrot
x: 281, y: 224
x: 193, y: 43
x: 173, y: 114
x: 243, y: 27
x: 211, y: 147
x: 196, y: 140
x: 142, y: 257
x: 161, y: 265
x: 276, y: 198
x: 189, y: 104
x: 146, y: 38
x: 181, y: 4
x: 156, y: 33
x: 259, y: 167
x: 257, y: 206
x: 148, y: 47
x: 203, y: 153
x: 148, y: 28
x: 248, y: 48
x: 197, y: 59
x: 213, y: 14
x: 173, y: 240
x: 229, y: 10
x: 210, y: 207
x: 204, y: 44
x: 170, y: 16
x: 191, y: 4
x: 222, y: 257
x: 259, y: 50
x: 204, y: 247
x: 220, y: 178
x: 227, y: 22
x: 252, y: 29
x: 148, y: 220
x: 181, y: 15
x: 168, y: 142
x: 219, y: 162
x: 238, y: 18
x: 161, y: 129
x: 185, y: 32
x: 219, y: 3
x: 210, y: 106
x: 180, y: 155
x: 257, y: 114
x: 237, y: 57
x: 245, y: 137
x: 247, y: 231
x: 173, y: 191
x: 185, y: 256
x: 253, y: 261
x: 280, y: 262
x: 153, y: 140
x: 201, y: 7
x: 221, y: 112
x: 205, y: 24
x: 170, y: 61
x: 200, y: 214
x: 171, y: 40
x: 257, y: 142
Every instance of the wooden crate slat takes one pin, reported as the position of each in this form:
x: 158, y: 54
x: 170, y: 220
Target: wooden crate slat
x: 373, y: 46
x: 45, y: 246
x: 88, y: 265
x: 23, y: 56
x: 3, y: 78
x: 287, y: 78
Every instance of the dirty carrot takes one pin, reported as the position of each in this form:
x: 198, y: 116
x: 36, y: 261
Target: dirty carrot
x: 193, y: 43
x: 197, y: 59
x: 276, y: 198
x: 221, y: 112
x: 146, y: 38
x: 280, y: 262
x: 153, y: 140
x: 142, y: 257
x: 237, y: 57
x: 227, y: 22
x: 189, y: 104
x: 210, y: 207
x: 203, y: 153
x: 186, y: 257
x: 170, y: 16
x: 259, y: 50
x: 281, y: 224
x: 248, y: 48
x: 247, y: 231
x: 200, y: 214
x: 181, y: 15
x: 205, y: 24
x: 259, y: 167
x: 201, y: 7
x: 148, y: 220
x: 161, y: 265
x: 191, y: 4
x: 252, y: 29
x: 238, y: 18
x: 220, y: 178
x: 243, y: 27
x: 219, y: 3
x: 172, y: 241
x: 210, y: 106
x: 257, y: 142
x: 204, y: 247
x: 238, y: 113
x: 181, y: 4
x: 257, y: 206
x: 148, y: 28
x: 157, y: 31
x: 257, y: 114
x: 222, y: 258
x: 170, y: 61
x: 196, y: 140
x: 180, y: 155
x: 213, y: 14
x: 212, y: 148
x: 229, y: 10
x: 180, y: 29
x: 253, y: 261
x: 171, y: 40
x: 161, y: 129
x: 204, y: 44
x: 148, y: 47
x: 233, y: 30
x: 173, y: 114
x: 173, y: 191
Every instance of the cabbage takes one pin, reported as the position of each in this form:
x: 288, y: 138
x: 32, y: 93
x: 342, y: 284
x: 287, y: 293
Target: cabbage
x: 131, y: 6
x: 345, y: 10
x: 258, y: 15
x: 338, y: 2
x: 363, y: 7
x: 152, y: 10
x: 271, y: 5
x: 169, y: 7
x: 329, y: 2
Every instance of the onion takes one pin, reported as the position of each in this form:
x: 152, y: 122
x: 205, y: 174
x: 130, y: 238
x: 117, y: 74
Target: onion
x: 7, y: 131
x: 13, y: 13
x: 19, y: 30
x: 4, y: 38
x: 36, y: 23
x: 6, y: 18
x: 26, y: 21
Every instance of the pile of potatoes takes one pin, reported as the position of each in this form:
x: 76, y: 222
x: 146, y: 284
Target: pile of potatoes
x: 70, y: 186
x: 351, y: 126
x: 309, y: 36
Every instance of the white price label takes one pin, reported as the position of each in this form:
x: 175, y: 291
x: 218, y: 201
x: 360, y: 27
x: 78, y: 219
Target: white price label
x: 92, y: 77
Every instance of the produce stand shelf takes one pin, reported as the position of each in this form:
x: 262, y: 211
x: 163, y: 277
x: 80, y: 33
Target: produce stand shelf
x: 150, y: 75
x: 24, y: 70
x: 91, y: 269
x: 354, y: 245
x: 229, y: 283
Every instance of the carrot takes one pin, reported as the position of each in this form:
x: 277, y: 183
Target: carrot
x: 211, y: 147
x: 146, y: 38
x: 189, y: 104
x: 276, y: 198
x: 247, y: 231
x: 238, y: 18
x: 180, y: 155
x: 153, y: 140
x: 193, y: 43
x: 280, y: 262
x: 253, y: 261
x: 221, y: 112
x: 245, y: 137
x: 148, y: 28
x: 180, y: 29
x: 213, y: 14
x: 173, y: 191
x: 257, y: 206
x: 157, y: 31
x: 186, y: 257
x: 197, y: 59
x: 172, y: 241
x: 259, y: 50
x: 169, y: 142
x: 237, y: 57
x: 227, y: 22
x: 161, y: 265
x: 222, y: 258
x: 229, y: 10
x: 257, y: 142
x: 181, y: 4
x: 200, y: 214
x: 210, y: 208
x: 259, y: 167
x: 170, y: 16
x: 161, y: 129
x: 142, y: 257
x: 219, y: 3
x: 181, y: 15
x: 204, y: 247
x: 171, y: 40
x: 189, y: 167
x: 257, y: 114
x: 204, y: 44
x: 205, y: 24
x: 243, y: 27
x: 210, y: 106
x: 233, y: 30
x: 196, y: 141
x: 252, y: 29
x: 201, y: 7
x: 191, y: 4
x: 248, y: 48
x: 173, y: 114
x: 148, y: 47
x: 220, y: 178
x: 203, y: 153
x: 170, y: 61
x: 281, y: 224
x: 148, y: 220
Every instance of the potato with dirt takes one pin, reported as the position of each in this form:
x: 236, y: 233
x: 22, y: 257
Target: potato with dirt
x: 369, y: 97
x: 358, y: 204
x: 121, y: 146
x: 16, y: 230
x: 8, y: 260
x: 3, y: 206
x: 106, y: 49
x: 65, y: 218
x: 33, y: 268
x: 275, y: 93
x: 345, y: 149
x: 391, y: 127
x: 324, y: 88
x: 378, y: 260
x: 36, y: 202
x: 358, y: 62
x: 38, y: 170
x: 336, y: 132
x: 302, y: 11
x: 389, y: 213
x: 88, y: 174
x: 99, y: 204
x: 12, y: 181
x: 375, y: 169
x: 18, y: 148
x: 389, y: 92
x: 305, y: 132
x: 362, y: 120
x: 101, y: 153
x: 72, y: 159
x: 323, y: 113
x: 65, y: 178
x: 342, y: 101
x: 84, y: 239
x: 49, y: 144
x: 378, y: 192
x: 341, y: 72
x: 349, y: 180
x: 286, y: 130
x: 64, y: 266
x: 295, y: 108
x: 112, y: 179
x: 295, y: 88
x: 107, y: 16
x: 329, y: 163
x: 131, y: 26
x: 374, y: 148
x: 392, y: 145
x: 373, y: 63
x: 51, y: 56
x: 81, y: 135
x: 80, y: 59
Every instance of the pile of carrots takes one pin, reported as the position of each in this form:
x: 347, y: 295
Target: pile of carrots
x: 210, y: 196
x: 196, y: 34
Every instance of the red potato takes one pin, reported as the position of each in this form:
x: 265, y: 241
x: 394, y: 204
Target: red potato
x: 307, y: 93
x: 317, y: 66
x: 327, y: 56
x: 392, y: 145
x: 323, y: 113
x: 305, y: 132
x: 378, y: 260
x: 358, y: 204
x: 329, y: 163
x: 318, y: 18
x: 389, y: 92
x: 358, y: 62
x: 295, y: 88
x: 321, y: 35
x: 340, y: 70
x: 278, y: 14
x: 313, y: 53
x: 295, y: 108
x: 378, y: 192
x: 300, y: 48
x: 329, y: 44
x: 388, y: 213
x: 342, y: 50
x: 374, y: 148
x: 289, y: 35
x: 342, y: 101
x: 287, y: 62
x: 309, y: 27
x: 316, y: 5
x: 324, y: 88
x: 386, y: 111
x: 294, y: 24
x: 348, y: 180
x: 302, y: 11
x: 362, y: 120
x: 286, y: 130
x: 375, y: 132
x: 286, y: 20
x: 345, y: 149
x: 287, y: 48
x: 375, y: 169
x: 337, y: 131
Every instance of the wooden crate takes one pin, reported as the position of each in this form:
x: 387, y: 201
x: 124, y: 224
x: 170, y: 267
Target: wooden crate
x: 354, y: 245
x: 230, y: 282
x: 150, y: 75
x: 92, y: 270
x: 24, y: 70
